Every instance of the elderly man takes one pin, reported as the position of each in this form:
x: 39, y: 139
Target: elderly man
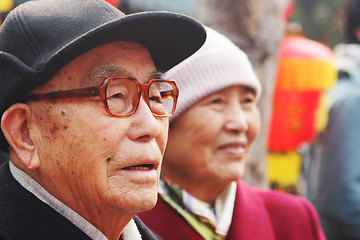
x: 84, y: 116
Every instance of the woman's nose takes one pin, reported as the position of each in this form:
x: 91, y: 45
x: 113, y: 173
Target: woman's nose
x: 236, y: 119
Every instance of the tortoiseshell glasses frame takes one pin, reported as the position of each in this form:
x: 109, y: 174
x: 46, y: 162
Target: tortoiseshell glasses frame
x: 121, y: 96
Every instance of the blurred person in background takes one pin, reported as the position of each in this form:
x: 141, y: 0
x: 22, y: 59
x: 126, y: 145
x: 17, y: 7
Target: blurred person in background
x: 334, y: 187
x: 201, y: 192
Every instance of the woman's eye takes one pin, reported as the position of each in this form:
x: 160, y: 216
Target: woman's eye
x: 247, y: 101
x: 216, y: 100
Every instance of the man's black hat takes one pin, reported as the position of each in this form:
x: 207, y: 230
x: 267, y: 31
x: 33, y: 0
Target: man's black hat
x: 39, y: 37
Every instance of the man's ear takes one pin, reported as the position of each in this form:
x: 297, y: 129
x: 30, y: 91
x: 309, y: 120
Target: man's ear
x: 14, y: 124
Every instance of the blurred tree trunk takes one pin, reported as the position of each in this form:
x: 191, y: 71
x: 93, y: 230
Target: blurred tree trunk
x: 256, y: 26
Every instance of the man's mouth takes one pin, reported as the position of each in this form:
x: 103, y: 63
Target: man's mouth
x: 141, y: 167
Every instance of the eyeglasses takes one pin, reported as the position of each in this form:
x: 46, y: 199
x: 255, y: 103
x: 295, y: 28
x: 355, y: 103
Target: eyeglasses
x: 121, y: 96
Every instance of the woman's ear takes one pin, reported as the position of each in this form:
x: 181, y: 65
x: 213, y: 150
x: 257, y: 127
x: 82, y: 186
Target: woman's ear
x: 14, y: 124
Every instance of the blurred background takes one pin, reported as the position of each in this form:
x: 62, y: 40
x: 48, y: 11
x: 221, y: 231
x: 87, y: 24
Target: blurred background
x: 322, y: 20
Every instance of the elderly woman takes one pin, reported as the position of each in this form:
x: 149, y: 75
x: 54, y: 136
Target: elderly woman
x: 202, y: 195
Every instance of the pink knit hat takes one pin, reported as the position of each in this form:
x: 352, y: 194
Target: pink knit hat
x: 218, y: 64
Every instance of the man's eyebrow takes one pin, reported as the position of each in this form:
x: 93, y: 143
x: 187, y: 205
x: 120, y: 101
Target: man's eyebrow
x: 98, y: 71
x: 157, y: 75
x: 101, y: 70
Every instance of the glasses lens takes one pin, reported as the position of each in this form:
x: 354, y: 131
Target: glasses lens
x: 122, y: 96
x: 161, y: 98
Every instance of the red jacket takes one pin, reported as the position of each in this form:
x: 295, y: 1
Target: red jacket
x: 258, y: 214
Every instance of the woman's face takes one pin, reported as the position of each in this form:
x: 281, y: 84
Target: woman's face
x: 209, y: 144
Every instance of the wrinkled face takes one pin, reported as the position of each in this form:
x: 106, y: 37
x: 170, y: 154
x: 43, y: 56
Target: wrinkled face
x: 210, y: 142
x: 90, y: 160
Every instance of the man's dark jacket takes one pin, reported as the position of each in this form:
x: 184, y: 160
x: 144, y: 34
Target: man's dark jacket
x: 24, y: 216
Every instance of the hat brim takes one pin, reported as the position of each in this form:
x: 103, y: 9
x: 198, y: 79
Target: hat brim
x: 169, y: 37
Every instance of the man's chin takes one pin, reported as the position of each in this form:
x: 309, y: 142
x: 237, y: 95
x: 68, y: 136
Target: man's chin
x: 140, y: 201
x: 147, y: 204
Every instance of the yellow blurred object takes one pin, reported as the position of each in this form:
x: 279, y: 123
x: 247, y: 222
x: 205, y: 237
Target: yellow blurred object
x: 283, y: 168
x: 322, y: 113
x: 305, y: 74
x: 6, y: 5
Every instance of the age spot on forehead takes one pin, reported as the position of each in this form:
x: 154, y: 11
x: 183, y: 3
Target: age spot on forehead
x: 54, y: 129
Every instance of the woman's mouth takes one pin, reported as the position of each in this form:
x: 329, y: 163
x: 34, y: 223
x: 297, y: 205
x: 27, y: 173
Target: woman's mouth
x: 235, y: 148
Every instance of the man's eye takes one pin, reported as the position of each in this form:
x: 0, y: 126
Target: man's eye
x: 156, y: 99
x: 117, y: 95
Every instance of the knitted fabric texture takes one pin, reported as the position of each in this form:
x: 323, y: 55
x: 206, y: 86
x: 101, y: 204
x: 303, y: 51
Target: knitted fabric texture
x: 218, y: 64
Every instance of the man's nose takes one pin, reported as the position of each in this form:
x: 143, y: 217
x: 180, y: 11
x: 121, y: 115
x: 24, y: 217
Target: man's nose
x: 144, y: 125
